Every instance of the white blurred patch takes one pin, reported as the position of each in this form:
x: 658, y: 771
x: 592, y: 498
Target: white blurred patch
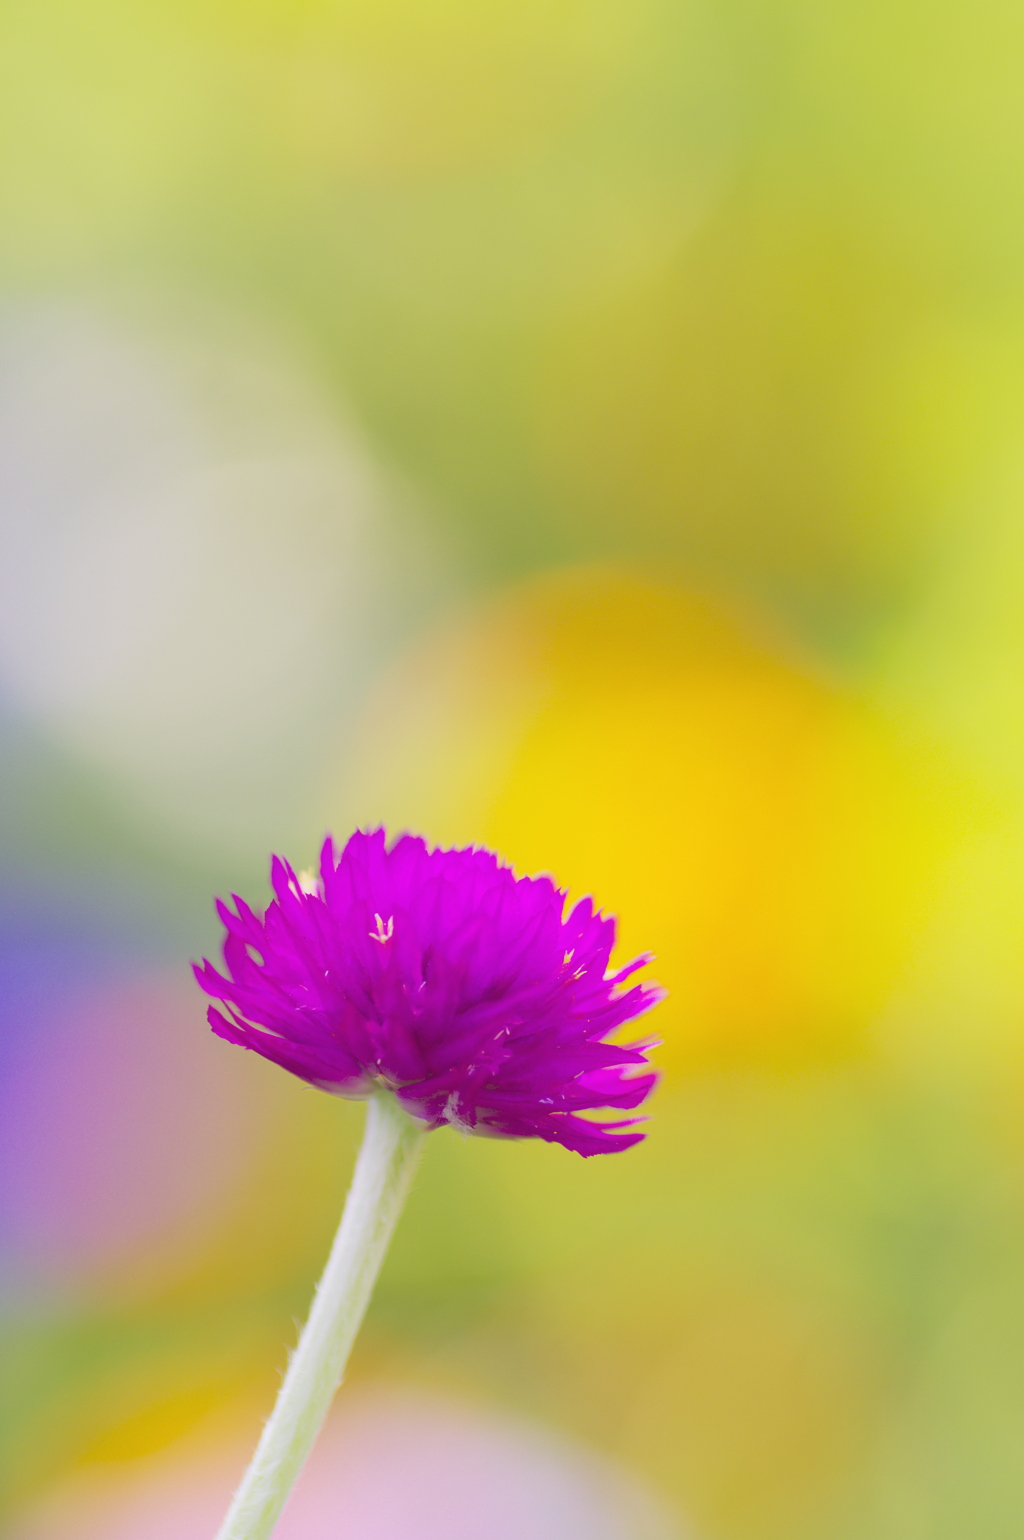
x: 389, y: 1466
x: 200, y: 566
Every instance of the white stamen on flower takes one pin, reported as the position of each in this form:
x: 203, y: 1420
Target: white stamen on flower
x: 451, y: 1115
x: 383, y: 933
x: 309, y: 883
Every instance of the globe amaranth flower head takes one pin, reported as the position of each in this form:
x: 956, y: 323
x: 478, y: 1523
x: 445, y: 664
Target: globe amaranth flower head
x: 439, y: 975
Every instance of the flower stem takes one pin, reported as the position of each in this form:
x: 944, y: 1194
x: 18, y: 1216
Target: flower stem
x: 384, y: 1170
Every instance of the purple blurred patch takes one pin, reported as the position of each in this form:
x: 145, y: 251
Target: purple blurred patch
x: 120, y: 1123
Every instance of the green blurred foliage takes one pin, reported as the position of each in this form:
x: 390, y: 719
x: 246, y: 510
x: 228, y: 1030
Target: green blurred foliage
x: 735, y: 282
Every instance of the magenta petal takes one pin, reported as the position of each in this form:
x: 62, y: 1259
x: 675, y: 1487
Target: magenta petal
x: 438, y: 973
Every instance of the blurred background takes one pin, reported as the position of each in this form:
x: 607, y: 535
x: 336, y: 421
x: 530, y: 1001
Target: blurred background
x: 595, y: 429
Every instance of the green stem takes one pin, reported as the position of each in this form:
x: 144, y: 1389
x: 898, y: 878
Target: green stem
x: 384, y: 1170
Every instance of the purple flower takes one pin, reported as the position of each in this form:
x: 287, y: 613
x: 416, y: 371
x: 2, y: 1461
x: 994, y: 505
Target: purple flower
x: 441, y: 976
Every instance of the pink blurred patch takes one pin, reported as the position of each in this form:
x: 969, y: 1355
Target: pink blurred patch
x: 389, y: 1466
x: 118, y: 1122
